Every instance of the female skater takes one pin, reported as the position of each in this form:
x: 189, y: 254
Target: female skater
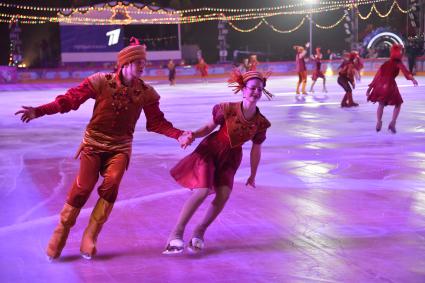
x: 383, y: 88
x: 301, y: 68
x: 317, y: 73
x: 202, y: 67
x: 212, y: 166
x: 253, y: 63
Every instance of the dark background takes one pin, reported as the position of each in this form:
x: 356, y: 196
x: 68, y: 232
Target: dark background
x: 275, y: 46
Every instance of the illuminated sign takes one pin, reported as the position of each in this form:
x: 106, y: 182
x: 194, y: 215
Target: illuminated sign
x: 114, y: 36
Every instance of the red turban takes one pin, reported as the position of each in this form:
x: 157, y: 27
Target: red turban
x: 132, y: 52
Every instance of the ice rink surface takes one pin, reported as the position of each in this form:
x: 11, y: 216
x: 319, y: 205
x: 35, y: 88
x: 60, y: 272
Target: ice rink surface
x: 335, y: 201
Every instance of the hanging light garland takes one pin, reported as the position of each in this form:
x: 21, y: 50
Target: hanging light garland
x: 189, y: 19
x: 401, y: 10
x: 23, y: 22
x: 382, y: 15
x: 372, y: 8
x: 263, y: 20
x: 79, y: 15
x: 171, y: 19
x: 300, y: 24
x: 143, y: 8
x: 246, y: 30
x: 367, y: 16
x: 330, y: 26
x: 387, y: 14
x: 162, y: 20
x: 285, y: 31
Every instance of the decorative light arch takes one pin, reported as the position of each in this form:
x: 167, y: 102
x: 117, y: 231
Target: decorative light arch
x: 394, y: 37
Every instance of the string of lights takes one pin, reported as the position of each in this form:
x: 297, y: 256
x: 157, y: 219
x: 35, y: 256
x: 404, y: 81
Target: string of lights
x: 285, y: 31
x: 142, y: 7
x: 369, y: 14
x: 263, y: 20
x: 172, y: 18
x: 386, y: 14
x: 214, y: 16
x: 401, y: 10
x: 246, y: 30
x: 382, y: 15
x: 161, y: 20
x: 373, y: 8
x: 22, y: 22
x: 330, y: 5
x: 330, y: 26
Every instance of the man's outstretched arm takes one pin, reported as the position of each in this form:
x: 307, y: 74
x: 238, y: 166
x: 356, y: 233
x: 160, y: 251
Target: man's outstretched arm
x: 71, y: 100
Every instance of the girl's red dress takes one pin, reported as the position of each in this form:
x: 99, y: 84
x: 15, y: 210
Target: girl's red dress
x: 384, y: 86
x: 216, y: 159
x: 317, y: 73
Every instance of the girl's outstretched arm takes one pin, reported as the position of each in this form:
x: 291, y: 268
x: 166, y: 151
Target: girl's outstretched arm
x: 255, y: 160
x: 205, y: 130
x: 407, y: 74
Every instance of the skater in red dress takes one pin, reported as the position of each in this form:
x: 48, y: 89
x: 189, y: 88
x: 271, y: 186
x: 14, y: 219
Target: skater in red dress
x: 211, y: 167
x: 317, y: 73
x: 301, y: 68
x: 349, y: 72
x: 383, y: 88
x: 253, y: 63
x: 202, y: 67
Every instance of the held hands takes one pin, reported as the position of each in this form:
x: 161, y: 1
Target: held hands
x: 250, y: 181
x: 28, y: 113
x: 186, y: 139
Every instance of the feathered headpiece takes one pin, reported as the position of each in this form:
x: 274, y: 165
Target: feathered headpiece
x: 238, y: 81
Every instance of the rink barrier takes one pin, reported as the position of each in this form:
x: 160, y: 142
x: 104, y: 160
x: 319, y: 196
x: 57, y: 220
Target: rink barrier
x: 13, y: 75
